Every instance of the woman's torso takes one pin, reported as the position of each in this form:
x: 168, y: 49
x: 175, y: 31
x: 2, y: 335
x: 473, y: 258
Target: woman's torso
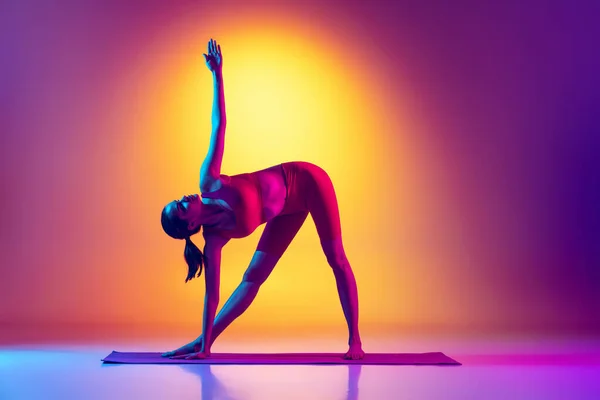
x: 251, y: 198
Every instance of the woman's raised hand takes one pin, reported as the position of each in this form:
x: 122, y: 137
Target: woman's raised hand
x: 214, y: 58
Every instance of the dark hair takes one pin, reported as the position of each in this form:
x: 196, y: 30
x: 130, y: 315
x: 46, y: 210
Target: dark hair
x: 178, y: 229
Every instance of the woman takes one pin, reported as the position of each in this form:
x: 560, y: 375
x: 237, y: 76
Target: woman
x: 281, y: 196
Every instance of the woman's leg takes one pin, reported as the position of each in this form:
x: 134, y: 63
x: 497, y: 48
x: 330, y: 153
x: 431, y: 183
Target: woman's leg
x: 276, y: 238
x: 347, y: 291
x: 323, y: 206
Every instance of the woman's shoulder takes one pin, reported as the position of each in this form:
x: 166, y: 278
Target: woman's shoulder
x: 214, y: 238
x: 213, y: 185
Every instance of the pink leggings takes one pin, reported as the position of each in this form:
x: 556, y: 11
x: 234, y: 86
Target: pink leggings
x: 309, y: 190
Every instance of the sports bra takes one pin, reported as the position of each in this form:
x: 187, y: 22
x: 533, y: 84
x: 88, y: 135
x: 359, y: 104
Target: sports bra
x: 243, y: 194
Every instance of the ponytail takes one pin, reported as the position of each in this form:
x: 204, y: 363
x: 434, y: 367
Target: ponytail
x: 178, y: 229
x: 194, y: 259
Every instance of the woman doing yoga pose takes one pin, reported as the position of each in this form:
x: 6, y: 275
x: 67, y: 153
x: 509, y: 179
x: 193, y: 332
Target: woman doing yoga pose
x: 231, y: 207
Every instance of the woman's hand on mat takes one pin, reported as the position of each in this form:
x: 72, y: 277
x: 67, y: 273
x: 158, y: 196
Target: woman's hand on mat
x: 214, y: 58
x: 194, y: 356
x: 355, y: 352
x: 193, y: 347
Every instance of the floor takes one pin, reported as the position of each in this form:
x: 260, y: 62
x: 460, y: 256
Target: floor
x: 507, y: 368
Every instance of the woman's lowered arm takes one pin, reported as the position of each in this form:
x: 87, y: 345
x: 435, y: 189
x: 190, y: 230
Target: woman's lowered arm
x: 210, y: 171
x: 212, y: 276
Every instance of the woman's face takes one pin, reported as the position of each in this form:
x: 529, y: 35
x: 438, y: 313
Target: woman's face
x: 188, y: 208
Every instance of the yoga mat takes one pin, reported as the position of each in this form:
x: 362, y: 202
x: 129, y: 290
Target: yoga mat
x: 287, y: 358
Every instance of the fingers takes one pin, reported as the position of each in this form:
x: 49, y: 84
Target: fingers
x: 192, y: 356
x: 213, y: 47
x: 175, y: 353
x: 214, y: 60
x: 183, y: 351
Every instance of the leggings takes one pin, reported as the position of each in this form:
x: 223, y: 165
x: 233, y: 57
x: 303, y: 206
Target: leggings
x: 308, y: 191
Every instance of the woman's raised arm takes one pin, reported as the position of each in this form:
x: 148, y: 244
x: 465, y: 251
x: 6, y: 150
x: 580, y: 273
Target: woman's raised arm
x: 210, y: 171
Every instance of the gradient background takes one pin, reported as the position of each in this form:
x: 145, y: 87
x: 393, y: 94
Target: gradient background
x: 462, y: 140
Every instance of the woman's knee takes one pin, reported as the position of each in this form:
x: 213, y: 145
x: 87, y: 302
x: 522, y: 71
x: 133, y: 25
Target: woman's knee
x: 335, y: 254
x: 260, y: 268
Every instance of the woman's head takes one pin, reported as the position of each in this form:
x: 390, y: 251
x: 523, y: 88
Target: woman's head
x: 181, y: 219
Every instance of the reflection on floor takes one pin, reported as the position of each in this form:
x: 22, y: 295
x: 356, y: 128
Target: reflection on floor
x: 492, y: 369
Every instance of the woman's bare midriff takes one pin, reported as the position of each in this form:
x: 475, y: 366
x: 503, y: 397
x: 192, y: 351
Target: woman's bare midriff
x: 273, y: 192
x: 273, y: 188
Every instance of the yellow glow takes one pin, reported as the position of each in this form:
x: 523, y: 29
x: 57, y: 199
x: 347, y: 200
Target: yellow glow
x: 287, y: 99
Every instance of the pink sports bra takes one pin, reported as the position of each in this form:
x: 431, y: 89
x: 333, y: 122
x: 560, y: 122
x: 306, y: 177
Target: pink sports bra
x: 243, y: 194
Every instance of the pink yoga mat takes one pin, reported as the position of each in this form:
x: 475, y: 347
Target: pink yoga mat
x: 287, y: 358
